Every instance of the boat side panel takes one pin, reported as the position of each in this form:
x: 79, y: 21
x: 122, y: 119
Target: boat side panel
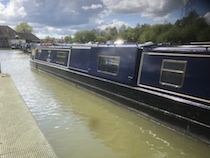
x: 57, y: 56
x: 128, y: 63
x: 80, y: 59
x: 195, y: 78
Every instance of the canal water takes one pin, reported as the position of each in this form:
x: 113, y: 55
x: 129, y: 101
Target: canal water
x: 80, y: 124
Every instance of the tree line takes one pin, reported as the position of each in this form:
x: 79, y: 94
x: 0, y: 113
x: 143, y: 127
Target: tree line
x: 185, y: 30
x: 188, y: 29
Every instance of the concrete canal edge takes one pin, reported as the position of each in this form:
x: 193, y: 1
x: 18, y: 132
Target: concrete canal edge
x: 20, y: 136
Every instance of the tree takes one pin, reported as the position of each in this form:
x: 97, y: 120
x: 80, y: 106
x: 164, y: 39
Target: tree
x: 49, y: 39
x: 23, y: 27
x: 84, y: 36
x: 131, y: 35
x: 67, y: 39
x: 204, y: 35
x: 100, y: 39
x: 122, y: 28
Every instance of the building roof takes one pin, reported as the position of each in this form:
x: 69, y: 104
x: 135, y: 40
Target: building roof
x: 6, y: 31
x: 28, y: 37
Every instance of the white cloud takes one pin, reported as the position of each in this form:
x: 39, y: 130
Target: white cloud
x: 2, y: 7
x: 207, y: 17
x: 93, y: 6
x: 104, y: 13
x: 38, y: 4
x: 44, y: 31
x: 114, y: 23
x: 153, y: 9
x: 60, y: 17
x: 12, y: 9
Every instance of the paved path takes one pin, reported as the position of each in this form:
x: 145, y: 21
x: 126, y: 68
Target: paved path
x: 20, y: 136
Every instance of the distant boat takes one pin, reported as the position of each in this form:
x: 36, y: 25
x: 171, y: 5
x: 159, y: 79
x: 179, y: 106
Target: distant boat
x: 168, y: 83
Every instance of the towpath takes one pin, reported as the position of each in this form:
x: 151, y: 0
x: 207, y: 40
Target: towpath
x: 20, y: 136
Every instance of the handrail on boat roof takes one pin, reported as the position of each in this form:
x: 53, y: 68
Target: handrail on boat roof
x: 200, y: 43
x: 203, y: 44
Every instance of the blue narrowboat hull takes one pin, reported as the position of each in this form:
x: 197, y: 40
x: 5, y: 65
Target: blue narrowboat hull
x: 161, y: 83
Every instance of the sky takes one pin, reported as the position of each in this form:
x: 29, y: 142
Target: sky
x: 59, y: 18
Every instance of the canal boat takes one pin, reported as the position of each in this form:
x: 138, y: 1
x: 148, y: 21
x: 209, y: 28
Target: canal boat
x: 167, y: 83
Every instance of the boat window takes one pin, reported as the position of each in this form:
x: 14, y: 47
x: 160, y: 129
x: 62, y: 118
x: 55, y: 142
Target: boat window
x: 173, y: 72
x: 41, y: 54
x: 108, y: 64
x: 61, y: 57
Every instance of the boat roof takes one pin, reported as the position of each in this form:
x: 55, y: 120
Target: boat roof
x: 183, y: 49
x: 145, y: 46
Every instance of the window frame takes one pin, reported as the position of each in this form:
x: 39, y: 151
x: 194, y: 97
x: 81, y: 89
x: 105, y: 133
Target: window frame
x: 182, y: 72
x: 107, y: 72
x: 61, y: 55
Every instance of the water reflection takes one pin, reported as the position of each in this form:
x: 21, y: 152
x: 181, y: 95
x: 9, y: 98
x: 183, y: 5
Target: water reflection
x: 80, y: 124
